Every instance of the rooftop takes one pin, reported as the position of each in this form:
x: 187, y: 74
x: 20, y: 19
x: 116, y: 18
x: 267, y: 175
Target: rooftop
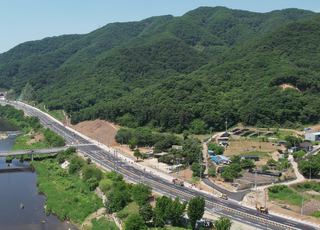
x: 305, y: 144
x: 315, y: 133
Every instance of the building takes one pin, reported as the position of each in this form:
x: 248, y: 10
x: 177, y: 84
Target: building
x: 293, y: 149
x: 306, y: 145
x: 312, y: 136
x: 177, y: 147
x: 253, y: 157
x: 220, y: 159
x: 211, y: 152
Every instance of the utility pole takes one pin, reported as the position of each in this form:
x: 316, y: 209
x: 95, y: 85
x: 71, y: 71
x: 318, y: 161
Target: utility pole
x: 114, y: 160
x: 302, y: 203
x: 200, y: 159
x: 210, y: 133
x: 226, y: 124
x: 122, y: 144
x: 310, y: 174
x: 144, y: 170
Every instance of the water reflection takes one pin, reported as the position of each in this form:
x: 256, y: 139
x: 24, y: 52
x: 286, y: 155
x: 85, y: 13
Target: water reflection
x: 18, y: 185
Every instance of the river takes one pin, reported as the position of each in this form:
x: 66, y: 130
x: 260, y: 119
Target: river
x: 18, y: 185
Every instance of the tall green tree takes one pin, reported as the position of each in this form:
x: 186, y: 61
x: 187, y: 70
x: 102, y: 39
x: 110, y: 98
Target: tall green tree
x: 223, y: 223
x: 135, y: 222
x: 162, y: 211
x: 196, y: 210
x: 177, y: 211
x: 140, y: 193
x: 146, y: 212
x: 137, y: 154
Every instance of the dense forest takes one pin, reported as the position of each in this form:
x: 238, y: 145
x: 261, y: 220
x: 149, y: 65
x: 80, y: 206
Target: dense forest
x: 178, y: 73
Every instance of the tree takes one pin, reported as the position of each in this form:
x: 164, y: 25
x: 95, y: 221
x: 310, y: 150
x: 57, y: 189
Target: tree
x: 88, y: 161
x: 223, y: 223
x: 162, y: 211
x: 91, y: 172
x: 135, y: 222
x: 212, y: 172
x: 196, y: 210
x: 92, y: 183
x: 177, y: 211
x: 271, y: 161
x: 60, y: 158
x: 265, y: 168
x: 185, y: 134
x: 227, y: 176
x: 218, y: 150
x: 195, y: 167
x: 137, y: 154
x: 246, y: 164
x: 298, y: 155
x: 236, y: 159
x: 133, y: 143
x: 146, y: 212
x: 140, y: 193
x: 292, y: 141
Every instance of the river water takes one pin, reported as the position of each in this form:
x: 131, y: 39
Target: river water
x: 18, y: 185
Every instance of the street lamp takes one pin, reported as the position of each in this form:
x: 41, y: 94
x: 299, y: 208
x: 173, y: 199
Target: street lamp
x: 122, y: 144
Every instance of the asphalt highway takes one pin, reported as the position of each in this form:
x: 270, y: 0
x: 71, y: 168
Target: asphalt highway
x: 137, y: 174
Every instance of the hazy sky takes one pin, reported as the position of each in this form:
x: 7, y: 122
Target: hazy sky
x: 26, y: 20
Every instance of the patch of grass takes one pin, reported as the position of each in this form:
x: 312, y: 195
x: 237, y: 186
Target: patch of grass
x: 21, y: 143
x: 260, y: 154
x: 316, y: 214
x: 57, y: 114
x: 67, y: 196
x: 285, y: 195
x: 102, y: 223
x: 196, y: 179
x: 169, y: 228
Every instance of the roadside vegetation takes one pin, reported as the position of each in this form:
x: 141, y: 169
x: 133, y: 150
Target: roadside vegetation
x: 31, y: 128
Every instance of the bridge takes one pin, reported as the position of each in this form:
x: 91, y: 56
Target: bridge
x: 11, y: 132
x: 32, y: 152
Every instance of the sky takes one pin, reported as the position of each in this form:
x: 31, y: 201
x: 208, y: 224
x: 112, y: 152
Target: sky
x: 28, y: 20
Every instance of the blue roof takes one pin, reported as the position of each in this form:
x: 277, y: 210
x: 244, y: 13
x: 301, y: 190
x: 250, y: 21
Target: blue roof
x: 293, y: 148
x: 219, y: 158
x: 210, y: 151
x: 308, y: 129
x: 214, y: 159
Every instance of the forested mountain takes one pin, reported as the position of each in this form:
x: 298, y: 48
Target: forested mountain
x: 173, y: 73
x: 243, y: 85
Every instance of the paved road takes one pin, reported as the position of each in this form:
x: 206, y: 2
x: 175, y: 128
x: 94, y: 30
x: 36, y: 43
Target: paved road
x: 137, y: 174
x: 233, y: 195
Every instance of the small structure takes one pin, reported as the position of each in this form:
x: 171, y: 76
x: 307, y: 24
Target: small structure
x: 158, y: 155
x: 220, y: 159
x: 225, y: 135
x: 312, y: 136
x: 150, y: 154
x: 177, y: 147
x: 221, y: 169
x: 224, y: 144
x: 253, y: 157
x: 223, y: 139
x: 293, y: 149
x: 211, y: 152
x: 306, y: 145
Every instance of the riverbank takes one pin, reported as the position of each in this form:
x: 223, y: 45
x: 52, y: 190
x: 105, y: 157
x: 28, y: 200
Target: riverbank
x: 3, y: 136
x: 67, y: 195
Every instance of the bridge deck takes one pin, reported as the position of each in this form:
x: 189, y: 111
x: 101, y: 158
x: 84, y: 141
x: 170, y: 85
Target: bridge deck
x: 32, y: 151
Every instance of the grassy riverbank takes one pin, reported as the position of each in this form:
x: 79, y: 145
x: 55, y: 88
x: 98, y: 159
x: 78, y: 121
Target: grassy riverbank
x: 67, y: 195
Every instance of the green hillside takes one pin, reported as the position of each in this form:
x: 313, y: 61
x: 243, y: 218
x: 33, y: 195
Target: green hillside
x: 171, y: 73
x: 243, y: 85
